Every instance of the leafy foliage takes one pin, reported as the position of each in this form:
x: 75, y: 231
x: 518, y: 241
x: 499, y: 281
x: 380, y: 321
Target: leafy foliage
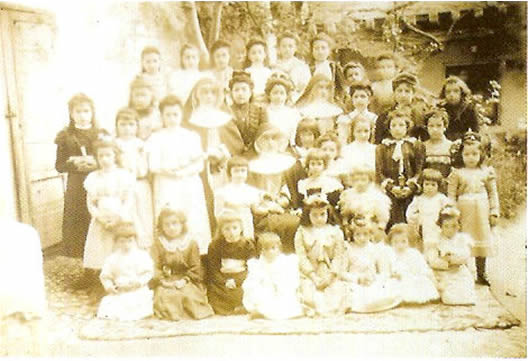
x: 509, y: 160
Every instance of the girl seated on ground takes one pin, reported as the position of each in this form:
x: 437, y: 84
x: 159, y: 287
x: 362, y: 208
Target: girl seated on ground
x: 417, y: 282
x: 227, y: 264
x: 270, y: 289
x: 179, y: 289
x: 367, y: 290
x: 319, y: 246
x: 449, y: 260
x: 125, y: 276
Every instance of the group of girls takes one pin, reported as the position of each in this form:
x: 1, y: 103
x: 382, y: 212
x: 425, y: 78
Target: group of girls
x: 280, y: 190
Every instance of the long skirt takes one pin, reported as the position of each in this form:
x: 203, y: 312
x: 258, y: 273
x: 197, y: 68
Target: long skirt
x: 186, y: 194
x: 189, y: 302
x: 474, y: 220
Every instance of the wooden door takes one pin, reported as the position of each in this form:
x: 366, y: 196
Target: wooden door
x: 28, y: 46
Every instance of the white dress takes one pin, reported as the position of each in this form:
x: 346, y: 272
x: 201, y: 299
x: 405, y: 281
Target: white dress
x: 285, y: 119
x: 320, y: 252
x: 455, y: 281
x: 417, y: 282
x: 382, y: 293
x: 240, y: 198
x: 344, y: 123
x: 180, y: 149
x: 120, y: 270
x: 359, y: 154
x: 133, y: 157
x: 270, y: 288
x: 372, y: 204
x: 423, y: 213
x: 259, y: 76
x: 299, y: 73
x: 108, y: 194
x: 181, y: 82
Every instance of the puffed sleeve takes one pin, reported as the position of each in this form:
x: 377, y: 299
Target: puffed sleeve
x: 493, y: 195
x: 63, y: 154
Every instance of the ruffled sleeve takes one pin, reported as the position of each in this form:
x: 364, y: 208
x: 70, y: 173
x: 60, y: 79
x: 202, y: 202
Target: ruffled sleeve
x: 493, y: 195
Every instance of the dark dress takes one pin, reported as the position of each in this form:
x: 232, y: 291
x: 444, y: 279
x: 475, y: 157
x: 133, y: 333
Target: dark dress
x: 188, y: 302
x: 381, y: 130
x: 413, y: 154
x: 248, y: 118
x: 461, y: 118
x: 223, y: 299
x: 76, y: 217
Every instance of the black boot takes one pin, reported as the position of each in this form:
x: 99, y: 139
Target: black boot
x: 481, y: 271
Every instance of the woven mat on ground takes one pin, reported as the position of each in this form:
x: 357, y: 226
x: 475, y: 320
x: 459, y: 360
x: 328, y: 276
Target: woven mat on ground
x: 486, y: 314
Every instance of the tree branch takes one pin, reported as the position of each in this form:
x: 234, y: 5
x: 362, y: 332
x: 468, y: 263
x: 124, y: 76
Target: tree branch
x: 423, y: 33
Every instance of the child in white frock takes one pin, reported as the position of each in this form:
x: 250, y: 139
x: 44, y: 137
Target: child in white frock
x: 416, y: 279
x: 125, y: 276
x: 278, y: 112
x: 176, y: 160
x: 110, y: 199
x: 133, y: 157
x: 424, y: 209
x: 449, y: 260
x: 319, y: 246
x: 366, y: 199
x: 181, y: 81
x: 256, y: 66
x: 367, y: 290
x: 360, y: 151
x: 238, y: 196
x: 270, y: 289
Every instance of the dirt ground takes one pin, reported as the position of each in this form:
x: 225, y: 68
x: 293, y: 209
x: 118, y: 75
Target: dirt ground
x: 507, y: 273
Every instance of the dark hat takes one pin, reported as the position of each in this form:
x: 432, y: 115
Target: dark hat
x: 404, y: 77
